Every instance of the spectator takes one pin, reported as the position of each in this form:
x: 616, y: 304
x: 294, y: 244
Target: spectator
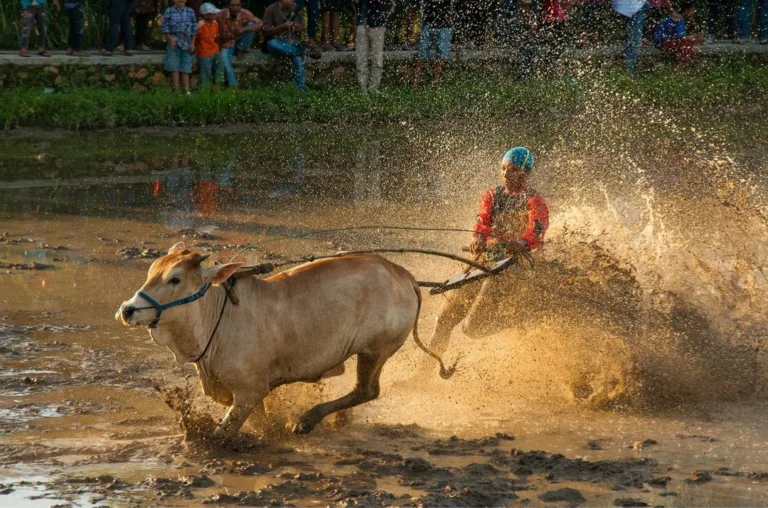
x: 179, y: 29
x: 207, y: 43
x: 716, y: 10
x: 410, y: 13
x: 237, y: 30
x: 592, y: 18
x: 76, y: 27
x: 670, y: 36
x: 525, y: 33
x: 634, y: 11
x: 744, y: 21
x: 371, y: 26
x: 119, y: 27
x: 471, y: 21
x: 33, y: 12
x: 331, y: 10
x: 657, y: 11
x: 313, y: 15
x: 552, y: 33
x: 145, y: 11
x: 437, y: 23
x: 283, y: 22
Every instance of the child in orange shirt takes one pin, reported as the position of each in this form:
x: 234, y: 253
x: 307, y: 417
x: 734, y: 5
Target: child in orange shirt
x: 208, y: 44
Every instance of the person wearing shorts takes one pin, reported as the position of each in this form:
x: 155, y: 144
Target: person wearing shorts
x: 179, y: 29
x: 437, y: 23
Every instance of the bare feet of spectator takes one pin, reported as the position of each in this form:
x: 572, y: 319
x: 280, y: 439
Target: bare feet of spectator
x: 24, y: 52
x: 351, y: 46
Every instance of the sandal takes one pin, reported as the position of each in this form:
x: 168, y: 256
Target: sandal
x: 104, y: 52
x: 43, y: 52
x: 24, y: 52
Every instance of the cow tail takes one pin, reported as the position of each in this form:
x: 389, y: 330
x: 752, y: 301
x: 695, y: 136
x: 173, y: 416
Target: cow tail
x: 444, y: 373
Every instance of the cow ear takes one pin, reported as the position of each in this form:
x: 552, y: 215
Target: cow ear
x: 219, y: 273
x: 178, y: 246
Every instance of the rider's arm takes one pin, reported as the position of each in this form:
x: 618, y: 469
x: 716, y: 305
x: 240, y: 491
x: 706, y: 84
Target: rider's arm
x: 538, y: 222
x: 484, y: 224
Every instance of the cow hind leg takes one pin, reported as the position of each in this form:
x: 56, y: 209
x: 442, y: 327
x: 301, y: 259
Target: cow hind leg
x: 367, y: 388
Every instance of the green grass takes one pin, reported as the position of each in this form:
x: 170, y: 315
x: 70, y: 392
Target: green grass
x: 720, y: 85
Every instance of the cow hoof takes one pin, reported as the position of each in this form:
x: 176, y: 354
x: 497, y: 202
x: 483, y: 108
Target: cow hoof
x: 302, y: 428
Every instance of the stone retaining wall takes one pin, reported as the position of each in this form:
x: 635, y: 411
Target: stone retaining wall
x: 144, y: 71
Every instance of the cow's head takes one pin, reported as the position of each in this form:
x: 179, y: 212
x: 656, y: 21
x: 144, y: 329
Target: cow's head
x: 173, y: 277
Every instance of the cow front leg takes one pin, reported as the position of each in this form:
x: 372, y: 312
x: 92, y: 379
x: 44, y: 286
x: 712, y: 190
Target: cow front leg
x: 241, y: 408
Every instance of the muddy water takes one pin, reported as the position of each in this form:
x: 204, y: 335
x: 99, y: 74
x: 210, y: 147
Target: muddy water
x: 628, y: 368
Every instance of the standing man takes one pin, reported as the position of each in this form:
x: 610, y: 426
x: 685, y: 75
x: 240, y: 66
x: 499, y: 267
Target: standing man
x: 512, y: 219
x: 145, y: 12
x: 33, y: 12
x: 437, y: 24
x: 371, y: 25
x: 119, y: 27
x: 634, y: 11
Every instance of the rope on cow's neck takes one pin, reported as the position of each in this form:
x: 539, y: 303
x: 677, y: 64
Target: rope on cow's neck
x: 231, y: 282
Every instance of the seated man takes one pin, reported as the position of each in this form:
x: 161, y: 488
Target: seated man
x: 237, y: 29
x: 670, y: 36
x: 512, y: 219
x: 283, y: 22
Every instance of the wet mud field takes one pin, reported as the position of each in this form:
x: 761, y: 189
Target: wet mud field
x: 627, y: 370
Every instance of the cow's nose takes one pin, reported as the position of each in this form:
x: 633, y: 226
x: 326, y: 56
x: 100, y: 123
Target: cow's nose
x: 128, y: 312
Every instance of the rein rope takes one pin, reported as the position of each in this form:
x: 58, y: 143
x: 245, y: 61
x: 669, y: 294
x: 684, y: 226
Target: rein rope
x: 227, y: 293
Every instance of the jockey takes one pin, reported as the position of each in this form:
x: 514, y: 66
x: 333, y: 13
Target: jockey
x: 513, y: 218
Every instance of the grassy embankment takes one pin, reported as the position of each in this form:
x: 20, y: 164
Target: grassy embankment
x: 724, y: 85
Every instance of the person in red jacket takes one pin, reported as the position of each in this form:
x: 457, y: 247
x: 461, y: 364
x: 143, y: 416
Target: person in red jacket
x: 513, y: 218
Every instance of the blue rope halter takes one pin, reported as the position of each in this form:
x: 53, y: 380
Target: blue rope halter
x: 160, y: 308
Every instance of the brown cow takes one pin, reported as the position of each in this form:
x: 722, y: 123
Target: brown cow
x: 294, y: 326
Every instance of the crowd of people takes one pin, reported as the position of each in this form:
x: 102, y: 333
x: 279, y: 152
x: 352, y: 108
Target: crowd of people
x: 215, y: 34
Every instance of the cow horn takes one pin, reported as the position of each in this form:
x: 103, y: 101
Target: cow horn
x: 200, y: 258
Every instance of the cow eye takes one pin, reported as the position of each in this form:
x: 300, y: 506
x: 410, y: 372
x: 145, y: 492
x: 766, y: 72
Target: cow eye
x: 174, y: 280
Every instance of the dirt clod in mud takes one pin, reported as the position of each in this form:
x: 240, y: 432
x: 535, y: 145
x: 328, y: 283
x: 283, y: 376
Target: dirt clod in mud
x: 197, y: 235
x: 622, y: 472
x: 457, y: 446
x: 136, y: 253
x: 699, y: 477
x: 567, y: 495
x: 629, y: 501
x: 34, y: 265
x: 659, y: 482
